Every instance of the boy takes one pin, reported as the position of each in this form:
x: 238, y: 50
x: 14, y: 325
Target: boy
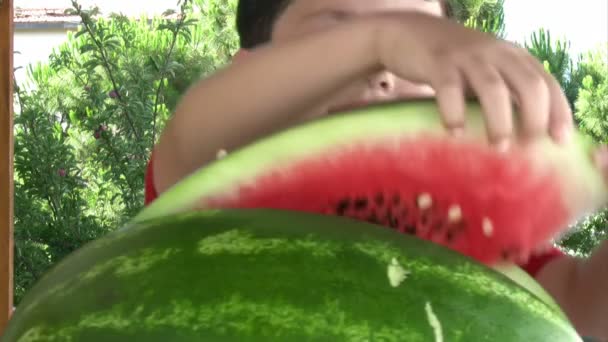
x: 302, y: 59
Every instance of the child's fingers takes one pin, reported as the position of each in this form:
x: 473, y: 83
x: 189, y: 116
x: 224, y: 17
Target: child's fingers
x: 561, y: 122
x: 531, y: 88
x: 495, y: 99
x: 449, y: 91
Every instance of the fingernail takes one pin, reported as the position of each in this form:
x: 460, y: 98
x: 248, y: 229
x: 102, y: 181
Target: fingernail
x: 502, y: 146
x: 563, y: 134
x: 457, y: 132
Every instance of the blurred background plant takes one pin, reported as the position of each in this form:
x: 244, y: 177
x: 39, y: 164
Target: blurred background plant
x: 87, y: 119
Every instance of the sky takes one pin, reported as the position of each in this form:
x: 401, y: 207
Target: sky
x: 583, y: 22
x: 128, y: 7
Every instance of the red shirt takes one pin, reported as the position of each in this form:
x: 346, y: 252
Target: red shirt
x: 534, y: 265
x: 150, y: 193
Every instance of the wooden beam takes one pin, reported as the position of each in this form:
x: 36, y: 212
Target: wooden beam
x: 6, y: 162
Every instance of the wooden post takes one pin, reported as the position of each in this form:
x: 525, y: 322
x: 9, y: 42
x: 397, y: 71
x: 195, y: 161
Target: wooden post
x: 6, y: 162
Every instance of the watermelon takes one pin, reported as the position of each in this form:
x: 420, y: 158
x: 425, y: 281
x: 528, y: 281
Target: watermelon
x: 394, y: 165
x: 277, y: 275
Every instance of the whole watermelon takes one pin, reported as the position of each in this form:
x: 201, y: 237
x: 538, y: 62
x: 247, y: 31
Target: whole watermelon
x: 270, y: 275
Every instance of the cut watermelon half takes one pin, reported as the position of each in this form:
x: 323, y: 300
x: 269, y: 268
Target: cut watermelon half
x: 396, y: 166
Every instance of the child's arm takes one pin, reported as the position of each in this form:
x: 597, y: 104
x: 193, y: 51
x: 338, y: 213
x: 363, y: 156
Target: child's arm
x: 580, y: 287
x: 268, y: 90
x: 277, y: 86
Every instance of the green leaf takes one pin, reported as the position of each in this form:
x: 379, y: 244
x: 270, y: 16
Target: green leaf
x: 168, y: 12
x: 80, y: 32
x: 91, y: 64
x: 87, y: 48
x: 547, y: 66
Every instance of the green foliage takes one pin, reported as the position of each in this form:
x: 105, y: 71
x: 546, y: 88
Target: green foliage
x: 586, y: 235
x: 585, y: 84
x: 592, y: 114
x: 476, y: 10
x: 592, y: 102
x: 490, y: 18
x: 87, y: 120
x: 220, y: 35
x: 555, y: 54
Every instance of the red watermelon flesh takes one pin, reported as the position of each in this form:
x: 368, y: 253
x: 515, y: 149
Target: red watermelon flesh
x: 463, y: 196
x: 395, y: 166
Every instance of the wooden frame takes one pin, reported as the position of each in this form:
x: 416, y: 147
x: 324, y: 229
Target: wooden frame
x: 6, y: 162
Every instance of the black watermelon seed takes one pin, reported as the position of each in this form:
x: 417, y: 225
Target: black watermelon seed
x: 457, y: 228
x: 373, y: 218
x: 410, y: 229
x: 396, y: 199
x: 461, y: 225
x: 438, y: 227
x: 393, y: 222
x: 379, y: 199
x: 388, y: 217
x: 360, y: 203
x: 449, y: 236
x: 454, y: 232
x: 342, y: 206
x: 424, y: 219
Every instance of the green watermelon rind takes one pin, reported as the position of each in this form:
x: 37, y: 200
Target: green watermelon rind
x: 319, y: 277
x: 519, y: 276
x: 584, y: 189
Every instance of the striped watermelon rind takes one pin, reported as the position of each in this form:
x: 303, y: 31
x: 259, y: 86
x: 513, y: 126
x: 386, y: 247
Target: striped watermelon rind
x: 268, y: 275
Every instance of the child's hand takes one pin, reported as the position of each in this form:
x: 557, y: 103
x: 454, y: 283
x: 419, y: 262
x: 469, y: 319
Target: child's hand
x: 454, y: 60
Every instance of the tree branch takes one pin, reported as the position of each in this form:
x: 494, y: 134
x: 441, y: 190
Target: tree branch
x: 106, y: 65
x: 178, y: 27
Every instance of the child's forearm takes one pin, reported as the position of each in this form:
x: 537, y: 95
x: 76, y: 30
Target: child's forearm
x: 591, y: 298
x: 580, y: 286
x: 268, y: 90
